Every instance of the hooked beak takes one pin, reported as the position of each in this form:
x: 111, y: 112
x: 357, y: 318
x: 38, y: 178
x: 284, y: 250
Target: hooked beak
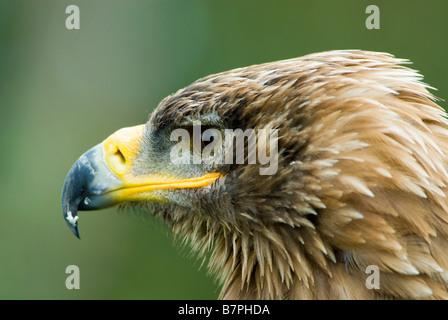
x: 102, y: 177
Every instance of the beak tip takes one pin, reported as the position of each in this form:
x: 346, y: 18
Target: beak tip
x: 85, y: 184
x: 72, y: 221
x: 74, y: 229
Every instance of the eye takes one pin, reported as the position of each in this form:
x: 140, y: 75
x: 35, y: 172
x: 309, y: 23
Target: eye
x: 200, y: 141
x: 203, y: 136
x: 209, y: 136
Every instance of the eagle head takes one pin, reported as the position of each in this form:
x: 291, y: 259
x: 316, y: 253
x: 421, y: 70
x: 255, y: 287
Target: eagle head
x: 292, y: 177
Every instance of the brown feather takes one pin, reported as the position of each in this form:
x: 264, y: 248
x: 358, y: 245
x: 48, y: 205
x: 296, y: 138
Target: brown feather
x: 362, y: 180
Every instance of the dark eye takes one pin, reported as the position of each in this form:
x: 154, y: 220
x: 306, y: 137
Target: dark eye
x: 202, y: 136
x: 210, y: 135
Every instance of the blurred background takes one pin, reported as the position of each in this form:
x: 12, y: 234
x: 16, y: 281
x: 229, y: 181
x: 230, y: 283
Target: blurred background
x: 63, y: 91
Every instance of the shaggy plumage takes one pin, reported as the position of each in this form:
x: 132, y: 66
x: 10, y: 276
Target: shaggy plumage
x: 361, y: 180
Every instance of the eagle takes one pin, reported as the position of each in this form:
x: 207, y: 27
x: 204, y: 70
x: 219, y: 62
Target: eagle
x: 358, y: 185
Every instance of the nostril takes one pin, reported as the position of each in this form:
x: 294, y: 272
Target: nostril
x: 120, y: 149
x: 117, y: 161
x: 120, y: 156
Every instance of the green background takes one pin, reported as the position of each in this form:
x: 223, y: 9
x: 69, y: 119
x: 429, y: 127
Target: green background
x: 63, y: 91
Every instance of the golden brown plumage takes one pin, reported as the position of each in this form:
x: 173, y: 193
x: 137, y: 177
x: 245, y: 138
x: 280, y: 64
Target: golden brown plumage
x: 361, y: 180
